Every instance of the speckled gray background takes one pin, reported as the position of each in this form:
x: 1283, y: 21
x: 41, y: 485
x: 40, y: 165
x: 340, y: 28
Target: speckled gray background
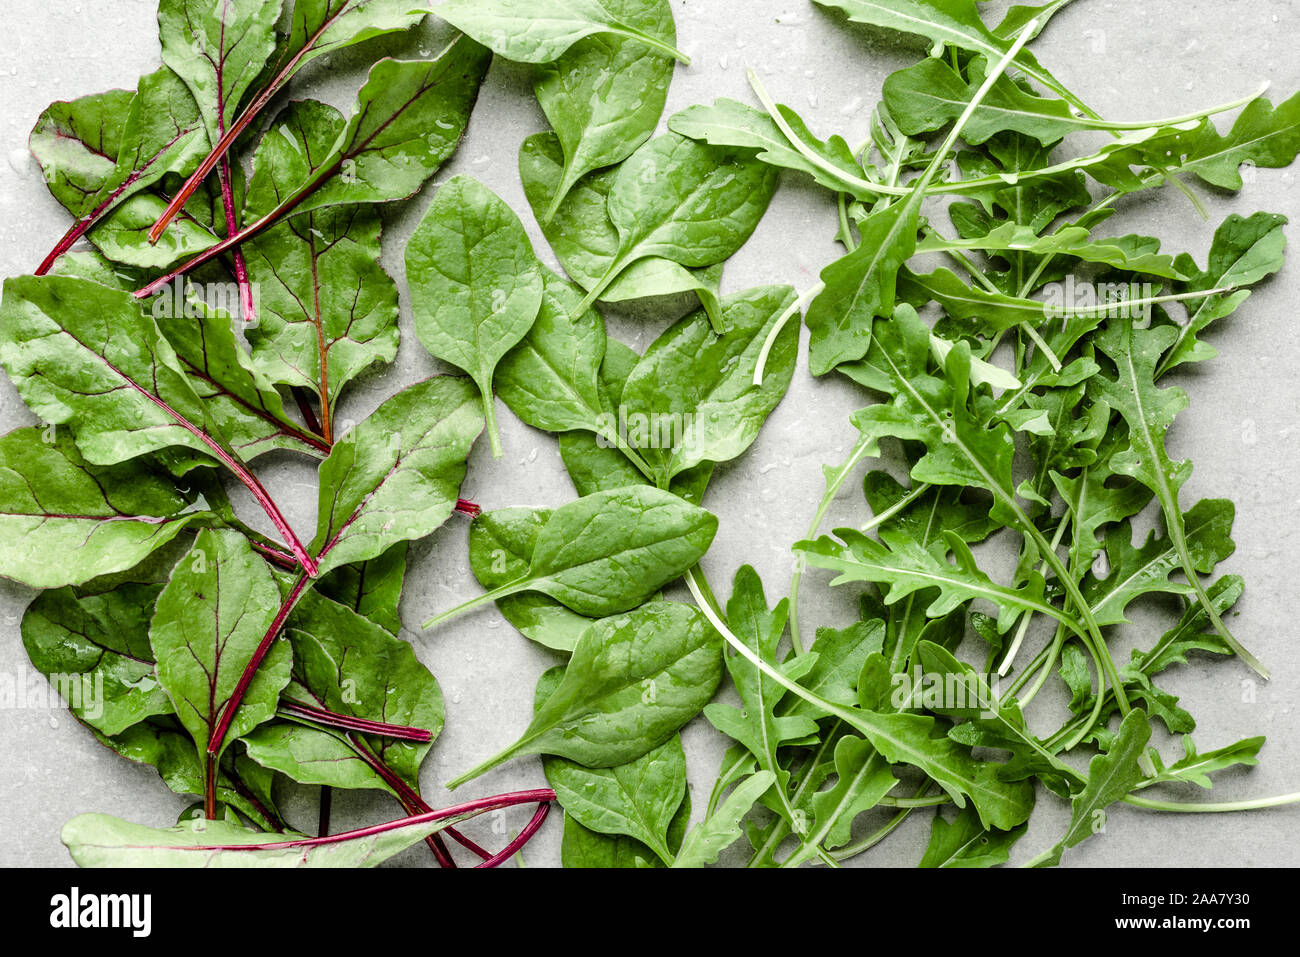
x: 1131, y: 59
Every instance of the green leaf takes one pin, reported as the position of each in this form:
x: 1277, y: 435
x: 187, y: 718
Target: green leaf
x: 965, y: 842
x: 633, y: 681
x: 476, y: 286
x: 551, y: 380
x: 501, y: 546
x: 1111, y: 776
x: 581, y: 847
x: 951, y: 22
x: 692, y: 399
x: 99, y: 840
x: 1149, y: 412
x: 586, y: 241
x: 721, y: 829
x: 219, y: 50
x: 208, y: 622
x: 311, y: 756
x: 684, y: 201
x: 93, y: 643
x: 1196, y: 768
x: 408, y: 119
x: 96, y: 520
x: 605, y: 95
x: 327, y: 309
x: 540, y: 31
x: 862, y: 779
x: 319, y: 27
x: 373, y: 588
x: 1261, y: 136
x: 1244, y: 252
x: 396, y: 476
x: 608, y: 552
x: 639, y: 799
x: 738, y: 125
x: 861, y: 286
x: 1140, y: 571
x: 89, y: 356
x: 346, y: 664
x: 98, y: 151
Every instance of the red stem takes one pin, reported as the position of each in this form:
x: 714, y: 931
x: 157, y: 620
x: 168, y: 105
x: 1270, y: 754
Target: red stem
x: 218, y: 736
x: 275, y: 555
x: 228, y: 138
x: 524, y: 837
x: 482, y: 805
x: 410, y: 798
x: 247, y: 306
x: 466, y: 507
x: 308, y: 413
x: 346, y: 722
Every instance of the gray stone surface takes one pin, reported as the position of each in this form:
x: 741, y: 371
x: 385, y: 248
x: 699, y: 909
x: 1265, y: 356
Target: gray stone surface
x: 1129, y: 59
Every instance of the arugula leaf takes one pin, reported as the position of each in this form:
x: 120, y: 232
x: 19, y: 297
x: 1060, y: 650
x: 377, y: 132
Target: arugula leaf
x: 97, y: 520
x: 1149, y: 412
x: 396, y: 476
x: 208, y: 622
x: 1196, y: 768
x: 1111, y: 776
x: 708, y: 839
x: 965, y: 842
x: 540, y: 31
x: 475, y: 284
x: 633, y: 681
x: 608, y: 552
x: 604, y: 96
x: 1261, y: 136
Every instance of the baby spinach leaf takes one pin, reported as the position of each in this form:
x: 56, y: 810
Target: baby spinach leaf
x: 581, y: 847
x: 586, y: 242
x: 610, y: 551
x: 476, y: 286
x: 551, y: 380
x: 713, y: 835
x: 396, y: 476
x: 734, y: 124
x: 692, y: 399
x: 605, y: 95
x: 640, y: 799
x: 539, y: 31
x: 965, y: 842
x: 633, y: 681
x: 208, y: 622
x: 684, y: 201
x: 501, y: 546
x: 97, y: 520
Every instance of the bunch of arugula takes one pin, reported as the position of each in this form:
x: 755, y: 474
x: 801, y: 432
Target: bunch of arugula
x: 279, y: 659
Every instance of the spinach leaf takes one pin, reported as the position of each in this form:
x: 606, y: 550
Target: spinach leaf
x: 476, y: 286
x: 539, y: 31
x: 604, y: 96
x: 633, y: 681
x: 610, y: 551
